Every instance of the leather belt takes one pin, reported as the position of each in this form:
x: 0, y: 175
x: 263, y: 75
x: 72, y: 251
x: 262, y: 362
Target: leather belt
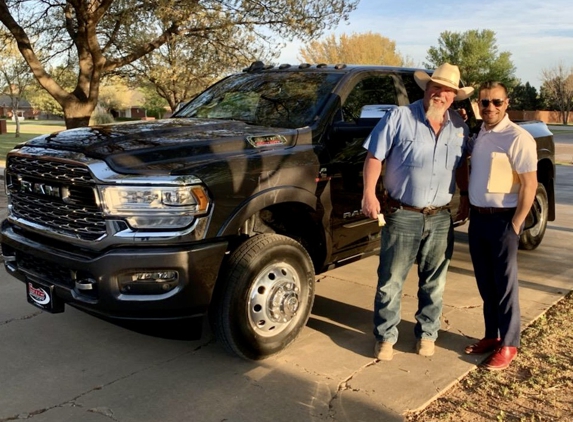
x: 426, y: 210
x: 491, y: 210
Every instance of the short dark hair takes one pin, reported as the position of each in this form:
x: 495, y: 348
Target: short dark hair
x: 491, y: 85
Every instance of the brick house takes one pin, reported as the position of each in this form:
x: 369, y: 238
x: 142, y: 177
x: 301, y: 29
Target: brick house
x: 24, y: 110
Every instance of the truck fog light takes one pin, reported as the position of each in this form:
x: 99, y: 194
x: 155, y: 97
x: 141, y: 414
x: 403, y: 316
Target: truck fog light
x: 148, y: 282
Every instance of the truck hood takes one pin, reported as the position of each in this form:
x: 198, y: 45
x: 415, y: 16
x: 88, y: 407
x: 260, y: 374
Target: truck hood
x: 169, y: 144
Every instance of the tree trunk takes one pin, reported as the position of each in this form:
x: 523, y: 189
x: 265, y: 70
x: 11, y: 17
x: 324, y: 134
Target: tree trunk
x: 16, y: 121
x: 77, y: 113
x: 75, y: 122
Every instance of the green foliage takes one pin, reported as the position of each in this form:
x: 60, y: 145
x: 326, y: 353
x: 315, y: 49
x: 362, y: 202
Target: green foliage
x: 524, y: 97
x: 153, y: 102
x: 100, y: 116
x: 476, y: 54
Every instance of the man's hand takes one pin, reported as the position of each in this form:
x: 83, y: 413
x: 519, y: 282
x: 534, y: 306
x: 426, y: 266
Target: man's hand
x: 463, y: 113
x: 370, y: 206
x: 463, y: 209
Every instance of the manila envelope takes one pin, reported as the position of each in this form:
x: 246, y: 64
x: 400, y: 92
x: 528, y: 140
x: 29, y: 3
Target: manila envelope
x: 502, y: 177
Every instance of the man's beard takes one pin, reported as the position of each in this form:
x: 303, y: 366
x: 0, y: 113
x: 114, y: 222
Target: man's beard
x: 435, y: 113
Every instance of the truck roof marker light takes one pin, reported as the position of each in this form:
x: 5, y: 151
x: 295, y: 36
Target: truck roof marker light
x: 255, y: 67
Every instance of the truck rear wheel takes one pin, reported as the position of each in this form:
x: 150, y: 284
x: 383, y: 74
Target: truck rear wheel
x: 536, y: 221
x: 266, y: 296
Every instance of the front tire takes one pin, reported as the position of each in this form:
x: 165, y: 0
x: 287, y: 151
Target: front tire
x: 265, y: 298
x: 536, y: 221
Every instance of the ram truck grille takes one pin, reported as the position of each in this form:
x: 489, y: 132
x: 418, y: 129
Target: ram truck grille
x: 60, y: 197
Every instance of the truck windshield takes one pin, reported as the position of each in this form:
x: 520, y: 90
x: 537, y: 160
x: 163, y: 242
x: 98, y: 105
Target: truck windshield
x: 275, y: 99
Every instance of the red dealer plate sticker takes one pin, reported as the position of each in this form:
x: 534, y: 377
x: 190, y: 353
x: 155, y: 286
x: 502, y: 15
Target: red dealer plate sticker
x: 43, y: 297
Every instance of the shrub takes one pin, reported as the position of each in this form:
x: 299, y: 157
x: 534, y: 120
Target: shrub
x: 100, y: 116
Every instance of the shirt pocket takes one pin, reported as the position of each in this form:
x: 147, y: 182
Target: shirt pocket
x: 413, y: 152
x: 454, y: 153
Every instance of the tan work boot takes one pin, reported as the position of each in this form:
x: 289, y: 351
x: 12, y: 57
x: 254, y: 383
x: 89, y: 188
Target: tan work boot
x: 425, y: 347
x: 383, y: 350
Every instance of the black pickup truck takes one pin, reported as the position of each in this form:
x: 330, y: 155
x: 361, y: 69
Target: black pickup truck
x: 227, y: 209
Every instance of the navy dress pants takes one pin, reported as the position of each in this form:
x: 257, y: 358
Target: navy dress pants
x: 493, y: 248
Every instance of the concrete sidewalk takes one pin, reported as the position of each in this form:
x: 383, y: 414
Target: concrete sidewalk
x: 329, y: 373
x: 342, y: 317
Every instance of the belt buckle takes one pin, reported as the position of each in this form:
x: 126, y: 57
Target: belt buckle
x: 429, y: 210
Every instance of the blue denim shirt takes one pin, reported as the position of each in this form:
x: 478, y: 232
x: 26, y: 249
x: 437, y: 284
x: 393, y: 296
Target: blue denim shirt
x: 419, y: 167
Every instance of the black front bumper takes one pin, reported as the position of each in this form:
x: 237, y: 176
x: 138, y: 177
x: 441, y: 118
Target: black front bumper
x: 197, y: 265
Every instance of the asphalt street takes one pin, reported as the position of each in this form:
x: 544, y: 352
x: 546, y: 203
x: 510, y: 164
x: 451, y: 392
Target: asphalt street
x: 75, y: 367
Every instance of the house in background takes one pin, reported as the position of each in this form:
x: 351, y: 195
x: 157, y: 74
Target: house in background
x: 24, y: 111
x: 136, y: 111
x: 132, y: 112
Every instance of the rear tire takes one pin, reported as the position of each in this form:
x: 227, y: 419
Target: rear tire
x: 265, y: 298
x: 536, y: 221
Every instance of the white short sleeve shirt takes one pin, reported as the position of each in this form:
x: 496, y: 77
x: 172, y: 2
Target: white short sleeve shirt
x: 505, y: 138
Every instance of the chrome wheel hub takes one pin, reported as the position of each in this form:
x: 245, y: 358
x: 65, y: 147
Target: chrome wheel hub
x: 274, y: 299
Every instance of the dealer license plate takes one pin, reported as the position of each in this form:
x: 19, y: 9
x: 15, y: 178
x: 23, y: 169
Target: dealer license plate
x: 43, y: 297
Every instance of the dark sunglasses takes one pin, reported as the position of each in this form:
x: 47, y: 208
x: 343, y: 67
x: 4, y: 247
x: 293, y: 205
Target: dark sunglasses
x: 496, y: 102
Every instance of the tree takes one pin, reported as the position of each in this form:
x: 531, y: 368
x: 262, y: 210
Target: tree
x: 101, y: 36
x: 524, y: 97
x: 42, y: 100
x: 364, y: 48
x: 183, y: 67
x: 475, y: 53
x: 115, y: 95
x: 154, y: 104
x: 558, y: 87
x: 15, y: 79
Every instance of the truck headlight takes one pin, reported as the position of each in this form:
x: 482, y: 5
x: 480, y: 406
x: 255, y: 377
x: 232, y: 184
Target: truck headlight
x: 155, y: 207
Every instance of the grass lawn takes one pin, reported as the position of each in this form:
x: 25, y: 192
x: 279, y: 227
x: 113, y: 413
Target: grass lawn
x: 28, y: 130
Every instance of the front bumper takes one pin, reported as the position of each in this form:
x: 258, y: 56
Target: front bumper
x: 70, y: 270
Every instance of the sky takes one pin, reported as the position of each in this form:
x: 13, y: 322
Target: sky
x: 538, y: 34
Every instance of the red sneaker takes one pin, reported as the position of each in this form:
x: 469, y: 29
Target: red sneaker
x: 485, y: 345
x: 500, y: 359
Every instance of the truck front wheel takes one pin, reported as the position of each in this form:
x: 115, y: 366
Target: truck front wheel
x: 265, y: 297
x: 536, y: 221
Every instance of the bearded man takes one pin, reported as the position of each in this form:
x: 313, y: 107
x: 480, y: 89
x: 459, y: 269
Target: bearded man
x: 422, y: 147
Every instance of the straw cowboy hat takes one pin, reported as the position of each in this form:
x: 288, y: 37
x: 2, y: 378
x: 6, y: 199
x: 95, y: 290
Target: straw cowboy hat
x: 446, y: 75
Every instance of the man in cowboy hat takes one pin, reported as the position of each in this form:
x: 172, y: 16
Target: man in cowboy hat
x: 422, y: 148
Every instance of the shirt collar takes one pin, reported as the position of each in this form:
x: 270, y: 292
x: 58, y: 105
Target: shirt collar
x: 499, y: 127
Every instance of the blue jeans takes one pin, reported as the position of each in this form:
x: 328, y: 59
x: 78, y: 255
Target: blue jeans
x: 407, y: 238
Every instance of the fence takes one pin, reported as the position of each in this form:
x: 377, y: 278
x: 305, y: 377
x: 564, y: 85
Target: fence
x: 549, y: 117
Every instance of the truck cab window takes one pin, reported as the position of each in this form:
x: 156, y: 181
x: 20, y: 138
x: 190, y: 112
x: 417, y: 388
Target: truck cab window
x: 372, y: 90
